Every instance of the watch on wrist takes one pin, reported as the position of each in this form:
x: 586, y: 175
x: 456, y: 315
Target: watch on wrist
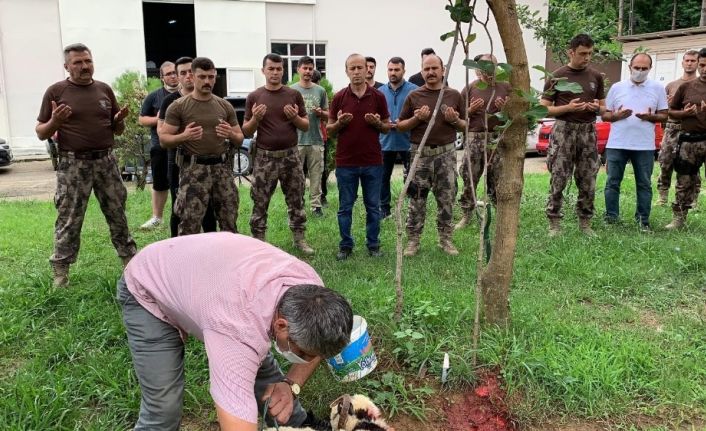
x: 296, y: 389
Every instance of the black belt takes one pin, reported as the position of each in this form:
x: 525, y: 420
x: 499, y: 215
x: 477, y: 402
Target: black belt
x: 205, y: 160
x: 85, y: 155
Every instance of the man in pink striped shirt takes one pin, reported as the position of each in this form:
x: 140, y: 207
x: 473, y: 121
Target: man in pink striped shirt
x: 236, y: 294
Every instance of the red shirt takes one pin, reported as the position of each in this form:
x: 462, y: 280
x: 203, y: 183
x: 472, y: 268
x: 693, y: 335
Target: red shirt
x: 358, y: 142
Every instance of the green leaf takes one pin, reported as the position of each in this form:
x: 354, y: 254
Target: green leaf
x: 541, y: 69
x: 485, y: 66
x: 535, y: 112
x: 471, y: 37
x: 571, y: 87
x: 448, y: 35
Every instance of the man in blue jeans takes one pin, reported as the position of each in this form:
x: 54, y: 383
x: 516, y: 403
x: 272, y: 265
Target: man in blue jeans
x: 633, y: 106
x: 358, y: 114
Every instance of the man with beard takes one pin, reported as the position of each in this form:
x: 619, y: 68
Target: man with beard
x: 158, y: 155
x: 276, y: 112
x: 186, y: 86
x: 370, y: 67
x: 85, y: 116
x: 572, y: 149
x: 203, y: 126
x: 436, y: 170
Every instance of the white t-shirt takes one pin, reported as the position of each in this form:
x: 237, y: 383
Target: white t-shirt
x: 633, y: 133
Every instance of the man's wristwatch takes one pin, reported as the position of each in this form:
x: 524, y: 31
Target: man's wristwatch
x: 293, y: 386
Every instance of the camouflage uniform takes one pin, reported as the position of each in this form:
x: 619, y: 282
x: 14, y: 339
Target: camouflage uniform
x: 75, y: 178
x: 435, y: 172
x: 693, y: 153
x: 271, y: 166
x: 572, y: 151
x: 667, y: 154
x: 474, y: 151
x: 201, y: 184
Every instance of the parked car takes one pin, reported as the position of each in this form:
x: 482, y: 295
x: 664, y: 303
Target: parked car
x: 602, y: 133
x: 6, y: 156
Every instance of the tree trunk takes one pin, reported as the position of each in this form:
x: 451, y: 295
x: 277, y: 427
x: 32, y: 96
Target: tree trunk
x: 674, y: 15
x: 496, y: 279
x: 702, y: 21
x: 621, y: 8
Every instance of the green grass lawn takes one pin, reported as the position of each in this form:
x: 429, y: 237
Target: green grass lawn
x: 611, y: 328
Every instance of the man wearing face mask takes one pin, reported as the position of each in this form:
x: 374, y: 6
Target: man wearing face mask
x: 572, y: 149
x: 633, y: 106
x: 238, y: 302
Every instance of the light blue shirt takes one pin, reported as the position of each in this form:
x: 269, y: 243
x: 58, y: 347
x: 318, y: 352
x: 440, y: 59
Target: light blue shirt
x: 394, y: 140
x: 633, y: 133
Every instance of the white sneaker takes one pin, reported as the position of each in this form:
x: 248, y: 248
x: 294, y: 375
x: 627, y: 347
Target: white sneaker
x: 152, y: 223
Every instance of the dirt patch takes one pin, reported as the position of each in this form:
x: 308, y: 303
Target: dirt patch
x: 28, y: 180
x: 481, y: 409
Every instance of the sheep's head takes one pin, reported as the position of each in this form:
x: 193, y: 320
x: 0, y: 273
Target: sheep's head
x: 357, y: 412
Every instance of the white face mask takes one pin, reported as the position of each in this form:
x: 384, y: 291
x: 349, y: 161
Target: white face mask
x: 639, y: 75
x: 289, y: 355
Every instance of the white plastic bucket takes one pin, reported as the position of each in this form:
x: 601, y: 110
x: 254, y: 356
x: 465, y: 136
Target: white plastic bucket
x: 358, y: 359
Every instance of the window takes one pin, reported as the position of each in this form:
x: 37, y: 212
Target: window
x: 291, y: 52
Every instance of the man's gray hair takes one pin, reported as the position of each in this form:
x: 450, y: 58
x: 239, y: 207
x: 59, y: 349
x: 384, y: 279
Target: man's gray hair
x: 320, y: 319
x: 161, y: 68
x: 75, y: 47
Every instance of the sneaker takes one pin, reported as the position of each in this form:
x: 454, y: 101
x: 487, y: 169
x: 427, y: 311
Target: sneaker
x: 317, y: 212
x: 344, y: 254
x: 645, y: 228
x: 375, y: 252
x: 152, y: 223
x: 385, y: 213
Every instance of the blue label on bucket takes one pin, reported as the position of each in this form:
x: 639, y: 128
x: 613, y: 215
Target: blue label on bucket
x: 351, y: 353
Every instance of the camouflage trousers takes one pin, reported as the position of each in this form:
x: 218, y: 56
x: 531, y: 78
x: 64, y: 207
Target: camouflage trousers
x: 667, y: 154
x: 475, y: 145
x: 572, y: 151
x: 74, y: 181
x: 200, y: 185
x: 435, y: 173
x: 269, y: 168
x: 312, y: 158
x: 695, y: 154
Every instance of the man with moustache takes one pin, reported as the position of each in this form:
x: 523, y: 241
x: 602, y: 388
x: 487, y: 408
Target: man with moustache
x: 85, y: 116
x: 633, y: 106
x: 394, y: 144
x: 572, y: 149
x: 186, y: 86
x: 203, y: 126
x: 477, y: 97
x: 689, y: 106
x: 370, y: 67
x: 436, y: 170
x: 277, y: 112
x: 671, y: 132
x: 358, y: 115
x: 158, y: 155
x: 311, y: 143
x: 417, y: 78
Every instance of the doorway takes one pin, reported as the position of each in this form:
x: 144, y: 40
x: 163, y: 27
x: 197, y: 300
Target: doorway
x: 170, y: 33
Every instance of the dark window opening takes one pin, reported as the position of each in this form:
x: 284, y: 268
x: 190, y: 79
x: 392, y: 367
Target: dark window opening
x: 170, y: 33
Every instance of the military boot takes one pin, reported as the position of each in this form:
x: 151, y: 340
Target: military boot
x: 61, y: 274
x: 412, y: 246
x: 585, y: 227
x: 554, y: 227
x: 300, y: 243
x: 465, y: 221
x: 447, y: 246
x: 663, y: 198
x: 678, y: 221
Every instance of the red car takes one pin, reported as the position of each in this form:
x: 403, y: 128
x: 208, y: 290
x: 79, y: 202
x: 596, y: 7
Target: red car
x: 602, y: 132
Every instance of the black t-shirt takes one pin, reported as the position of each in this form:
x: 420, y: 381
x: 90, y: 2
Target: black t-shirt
x: 150, y: 107
x: 163, y: 114
x: 378, y: 84
x: 417, y: 79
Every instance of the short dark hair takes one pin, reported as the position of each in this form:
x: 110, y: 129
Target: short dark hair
x: 202, y: 63
x: 702, y: 53
x: 397, y: 60
x: 316, y: 76
x: 427, y: 51
x: 371, y: 60
x: 638, y: 54
x: 581, y: 40
x: 183, y: 60
x: 75, y: 47
x: 273, y: 58
x: 304, y: 60
x: 320, y: 319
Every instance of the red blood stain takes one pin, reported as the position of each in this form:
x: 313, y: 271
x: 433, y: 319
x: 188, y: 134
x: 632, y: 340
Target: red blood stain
x: 482, y: 409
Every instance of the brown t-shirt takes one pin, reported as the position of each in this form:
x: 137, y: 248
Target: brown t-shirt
x: 672, y: 87
x: 443, y: 132
x: 475, y: 120
x: 275, y: 131
x: 93, y: 106
x: 205, y: 113
x: 593, y: 86
x: 693, y: 91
